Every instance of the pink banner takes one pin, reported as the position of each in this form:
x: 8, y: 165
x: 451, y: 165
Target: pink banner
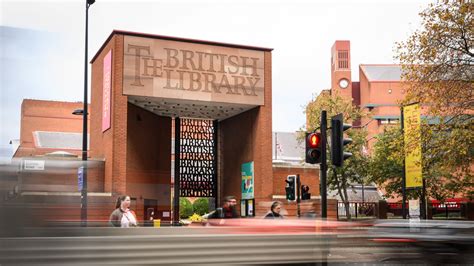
x: 107, y: 86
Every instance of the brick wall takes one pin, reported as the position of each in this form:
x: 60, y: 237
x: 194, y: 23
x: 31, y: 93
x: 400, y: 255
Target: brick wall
x: 60, y: 175
x: 289, y: 209
x: 111, y: 144
x: 248, y: 137
x: 308, y: 176
x: 148, y: 159
x: 236, y: 149
x: 39, y: 115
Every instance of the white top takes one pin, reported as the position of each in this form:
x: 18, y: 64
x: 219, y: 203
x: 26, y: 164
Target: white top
x: 128, y: 219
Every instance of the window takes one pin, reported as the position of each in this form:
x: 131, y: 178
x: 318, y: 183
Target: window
x: 343, y: 59
x: 387, y: 121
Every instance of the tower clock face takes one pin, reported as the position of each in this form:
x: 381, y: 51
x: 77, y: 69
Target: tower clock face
x: 343, y: 83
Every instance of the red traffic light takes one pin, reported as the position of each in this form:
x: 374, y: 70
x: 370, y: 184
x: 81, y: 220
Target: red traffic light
x: 313, y: 140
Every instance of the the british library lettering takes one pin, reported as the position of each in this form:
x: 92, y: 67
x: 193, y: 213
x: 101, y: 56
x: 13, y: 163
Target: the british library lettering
x: 172, y: 69
x: 198, y: 71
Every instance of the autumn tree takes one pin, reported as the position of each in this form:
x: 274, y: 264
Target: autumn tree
x: 386, y: 169
x: 340, y: 179
x: 438, y: 71
x: 386, y: 163
x: 438, y: 59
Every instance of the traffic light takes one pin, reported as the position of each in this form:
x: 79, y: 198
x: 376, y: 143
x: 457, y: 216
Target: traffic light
x: 313, y: 148
x: 290, y: 187
x: 305, y: 195
x: 338, y: 155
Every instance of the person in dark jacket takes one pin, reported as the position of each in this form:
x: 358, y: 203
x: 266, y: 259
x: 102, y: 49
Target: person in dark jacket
x: 274, y: 212
x: 122, y: 216
x: 228, y: 210
x: 312, y: 213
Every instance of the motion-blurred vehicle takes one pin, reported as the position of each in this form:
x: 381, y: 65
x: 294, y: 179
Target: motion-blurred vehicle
x: 427, y: 240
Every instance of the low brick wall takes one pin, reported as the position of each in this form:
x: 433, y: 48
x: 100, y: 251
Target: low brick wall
x: 290, y: 208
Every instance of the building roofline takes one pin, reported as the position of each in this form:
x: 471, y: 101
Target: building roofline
x: 55, y: 101
x: 171, y: 38
x: 371, y: 105
x: 385, y: 81
x: 379, y: 65
x: 361, y: 69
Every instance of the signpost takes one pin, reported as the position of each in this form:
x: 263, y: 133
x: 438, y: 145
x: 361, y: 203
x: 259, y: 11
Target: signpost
x: 412, y: 174
x: 80, y: 178
x: 247, y: 202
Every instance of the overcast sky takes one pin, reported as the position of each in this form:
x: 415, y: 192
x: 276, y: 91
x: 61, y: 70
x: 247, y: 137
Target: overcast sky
x: 300, y: 32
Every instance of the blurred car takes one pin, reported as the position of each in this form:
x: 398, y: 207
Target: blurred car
x: 427, y: 240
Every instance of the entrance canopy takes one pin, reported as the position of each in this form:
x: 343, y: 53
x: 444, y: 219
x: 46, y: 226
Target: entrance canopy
x: 185, y: 79
x: 188, y: 108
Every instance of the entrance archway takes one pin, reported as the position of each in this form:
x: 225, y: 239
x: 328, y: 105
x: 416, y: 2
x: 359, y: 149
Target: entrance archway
x: 141, y: 83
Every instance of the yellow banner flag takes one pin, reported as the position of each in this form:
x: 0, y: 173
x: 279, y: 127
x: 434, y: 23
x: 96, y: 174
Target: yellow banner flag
x: 412, y: 137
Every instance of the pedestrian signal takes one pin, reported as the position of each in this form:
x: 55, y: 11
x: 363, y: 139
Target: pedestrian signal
x: 313, y: 148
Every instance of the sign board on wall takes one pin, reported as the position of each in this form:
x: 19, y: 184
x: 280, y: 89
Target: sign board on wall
x: 106, y: 91
x: 412, y: 138
x: 414, y: 208
x: 247, y: 181
x: 33, y: 165
x: 191, y: 71
x: 80, y: 178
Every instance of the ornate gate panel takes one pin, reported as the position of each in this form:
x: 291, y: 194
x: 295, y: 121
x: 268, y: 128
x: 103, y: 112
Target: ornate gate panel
x: 195, y: 159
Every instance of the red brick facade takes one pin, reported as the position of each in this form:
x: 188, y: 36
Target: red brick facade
x: 133, y: 164
x: 52, y: 116
x: 308, y: 176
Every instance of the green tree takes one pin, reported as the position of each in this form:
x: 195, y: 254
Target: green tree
x: 201, y: 206
x: 438, y: 69
x: 354, y: 170
x: 340, y: 179
x: 386, y: 168
x: 386, y: 163
x: 438, y: 59
x: 185, y: 208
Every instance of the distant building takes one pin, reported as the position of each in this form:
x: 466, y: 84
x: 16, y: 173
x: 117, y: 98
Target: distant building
x: 288, y: 158
x: 48, y: 126
x: 287, y: 149
x: 378, y: 90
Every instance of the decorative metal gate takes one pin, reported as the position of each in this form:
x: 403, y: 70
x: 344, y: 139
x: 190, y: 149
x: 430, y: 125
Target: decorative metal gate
x: 195, y: 159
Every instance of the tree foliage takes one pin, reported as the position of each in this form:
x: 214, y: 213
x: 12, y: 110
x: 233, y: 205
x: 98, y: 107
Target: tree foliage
x: 438, y: 59
x: 354, y: 169
x: 185, y: 208
x: 386, y: 162
x: 386, y: 169
x: 333, y: 104
x: 438, y: 70
x: 340, y: 179
x: 201, y: 206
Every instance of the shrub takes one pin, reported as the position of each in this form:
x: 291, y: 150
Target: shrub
x: 185, y: 208
x: 201, y: 206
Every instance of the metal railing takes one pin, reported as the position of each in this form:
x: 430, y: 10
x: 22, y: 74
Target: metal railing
x: 447, y: 210
x: 357, y: 210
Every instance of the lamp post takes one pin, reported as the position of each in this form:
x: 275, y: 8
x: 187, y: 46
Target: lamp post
x: 84, y: 128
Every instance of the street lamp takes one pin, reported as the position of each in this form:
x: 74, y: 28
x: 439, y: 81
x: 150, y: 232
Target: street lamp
x: 84, y: 128
x: 78, y: 112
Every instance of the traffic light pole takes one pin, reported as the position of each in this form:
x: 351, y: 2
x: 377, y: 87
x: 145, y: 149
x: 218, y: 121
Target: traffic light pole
x: 324, y: 164
x: 298, y: 195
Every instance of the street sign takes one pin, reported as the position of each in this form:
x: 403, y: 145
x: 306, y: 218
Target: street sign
x: 33, y: 165
x: 80, y: 178
x: 414, y: 209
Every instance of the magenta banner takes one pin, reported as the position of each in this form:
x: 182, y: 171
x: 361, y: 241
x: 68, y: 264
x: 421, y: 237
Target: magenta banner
x: 107, y: 86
